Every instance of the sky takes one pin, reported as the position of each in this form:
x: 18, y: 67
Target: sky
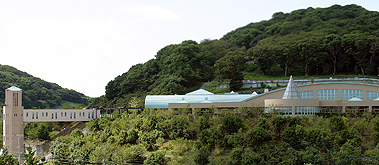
x: 84, y: 44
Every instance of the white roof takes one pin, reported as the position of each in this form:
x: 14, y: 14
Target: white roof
x: 13, y: 88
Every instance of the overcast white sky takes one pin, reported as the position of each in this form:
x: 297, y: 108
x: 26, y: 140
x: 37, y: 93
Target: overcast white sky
x: 82, y: 45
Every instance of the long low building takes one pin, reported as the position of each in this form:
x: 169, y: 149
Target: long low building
x: 302, y: 99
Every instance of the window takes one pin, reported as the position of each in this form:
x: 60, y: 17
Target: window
x: 74, y: 115
x: 327, y: 94
x: 306, y: 110
x: 56, y: 115
x: 92, y: 115
x: 27, y: 114
x: 80, y: 114
x: 52, y: 115
x: 306, y: 95
x: 372, y: 95
x: 42, y: 114
x: 70, y: 115
x: 36, y: 115
x: 15, y: 99
x: 32, y: 115
x: 46, y: 114
x: 89, y: 115
x: 350, y: 93
x: 65, y: 114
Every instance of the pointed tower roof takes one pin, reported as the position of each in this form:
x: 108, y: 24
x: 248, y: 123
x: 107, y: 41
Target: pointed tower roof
x: 291, y: 91
x: 13, y: 88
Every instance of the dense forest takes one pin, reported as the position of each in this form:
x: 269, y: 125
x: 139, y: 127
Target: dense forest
x: 37, y: 93
x: 226, y: 137
x: 305, y: 42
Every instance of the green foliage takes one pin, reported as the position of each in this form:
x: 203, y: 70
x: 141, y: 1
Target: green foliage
x: 258, y: 136
x: 179, y: 127
x: 294, y: 135
x: 7, y: 159
x: 201, y: 156
x: 211, y: 137
x: 337, y: 123
x: 149, y: 139
x: 231, y: 123
x: 231, y: 67
x: 156, y: 158
x: 76, y: 133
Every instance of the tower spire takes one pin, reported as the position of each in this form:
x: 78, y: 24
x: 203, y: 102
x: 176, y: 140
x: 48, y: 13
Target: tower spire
x: 291, y: 91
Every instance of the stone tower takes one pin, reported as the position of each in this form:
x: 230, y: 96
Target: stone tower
x: 13, y: 126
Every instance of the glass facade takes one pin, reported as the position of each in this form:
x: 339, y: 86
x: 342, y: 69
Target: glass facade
x: 327, y: 94
x: 372, y: 95
x: 350, y: 93
x: 306, y: 95
x: 306, y: 110
x: 286, y: 110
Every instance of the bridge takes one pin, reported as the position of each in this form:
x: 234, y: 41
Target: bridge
x: 15, y: 116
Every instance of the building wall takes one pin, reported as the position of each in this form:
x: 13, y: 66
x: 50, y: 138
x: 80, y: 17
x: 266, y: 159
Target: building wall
x: 57, y: 115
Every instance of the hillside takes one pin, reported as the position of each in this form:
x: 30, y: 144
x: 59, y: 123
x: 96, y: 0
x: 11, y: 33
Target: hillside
x: 312, y: 41
x: 36, y: 92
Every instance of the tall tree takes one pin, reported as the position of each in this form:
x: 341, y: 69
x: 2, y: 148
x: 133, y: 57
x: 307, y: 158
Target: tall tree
x: 231, y: 67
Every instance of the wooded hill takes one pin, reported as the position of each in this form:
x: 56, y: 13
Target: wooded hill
x: 312, y: 41
x: 37, y: 93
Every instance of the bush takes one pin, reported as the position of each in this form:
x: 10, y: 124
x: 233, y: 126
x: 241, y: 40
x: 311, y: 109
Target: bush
x: 201, y: 156
x: 156, y: 158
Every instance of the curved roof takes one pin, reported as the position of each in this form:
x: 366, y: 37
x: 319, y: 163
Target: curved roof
x: 199, y: 96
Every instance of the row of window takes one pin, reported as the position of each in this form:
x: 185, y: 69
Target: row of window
x: 55, y: 115
x: 298, y: 110
x: 332, y: 94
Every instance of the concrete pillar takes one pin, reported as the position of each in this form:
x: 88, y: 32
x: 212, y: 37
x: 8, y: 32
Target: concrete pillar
x: 370, y: 108
x: 343, y: 109
x: 293, y: 110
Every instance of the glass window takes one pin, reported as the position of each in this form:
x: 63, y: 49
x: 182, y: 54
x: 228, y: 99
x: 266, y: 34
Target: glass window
x: 52, y: 115
x: 306, y: 110
x: 56, y: 115
x: 42, y: 114
x: 70, y: 115
x: 61, y: 114
x: 327, y: 94
x: 350, y: 93
x: 32, y: 115
x: 372, y: 95
x: 74, y: 115
x: 36, y: 115
x: 89, y: 114
x: 27, y: 114
x: 65, y: 114
x: 46, y: 114
x: 80, y: 114
x: 306, y: 95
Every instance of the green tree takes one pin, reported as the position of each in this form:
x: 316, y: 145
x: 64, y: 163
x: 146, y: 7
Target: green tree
x: 156, y: 158
x: 258, y: 136
x: 231, y: 67
x: 5, y: 158
x: 294, y: 135
x: 201, y: 156
x: 231, y: 123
